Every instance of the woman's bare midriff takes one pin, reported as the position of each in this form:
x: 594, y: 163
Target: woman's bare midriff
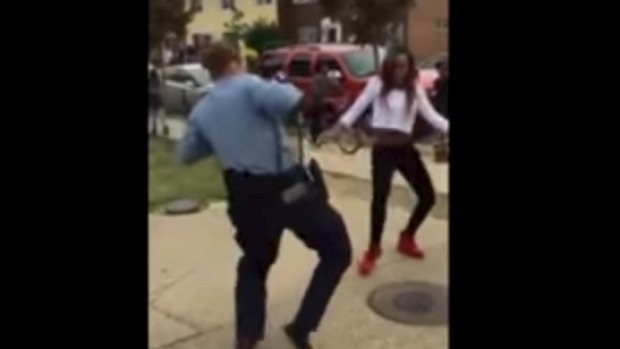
x: 389, y: 138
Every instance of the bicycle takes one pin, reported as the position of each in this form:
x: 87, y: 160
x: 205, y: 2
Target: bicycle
x: 348, y: 143
x: 360, y: 135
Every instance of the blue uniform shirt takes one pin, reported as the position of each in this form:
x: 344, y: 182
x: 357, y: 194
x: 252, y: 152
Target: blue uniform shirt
x: 237, y: 122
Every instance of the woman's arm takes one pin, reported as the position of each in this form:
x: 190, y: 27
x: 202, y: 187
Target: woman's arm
x: 429, y: 113
x: 371, y: 91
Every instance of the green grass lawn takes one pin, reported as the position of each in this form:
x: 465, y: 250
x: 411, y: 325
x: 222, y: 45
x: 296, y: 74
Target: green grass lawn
x: 169, y: 181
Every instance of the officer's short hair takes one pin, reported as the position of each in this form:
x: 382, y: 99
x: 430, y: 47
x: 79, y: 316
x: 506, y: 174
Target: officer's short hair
x: 217, y: 58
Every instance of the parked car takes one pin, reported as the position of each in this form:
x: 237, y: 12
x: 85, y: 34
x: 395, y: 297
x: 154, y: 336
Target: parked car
x: 354, y: 64
x: 430, y: 62
x: 428, y: 72
x: 184, y: 86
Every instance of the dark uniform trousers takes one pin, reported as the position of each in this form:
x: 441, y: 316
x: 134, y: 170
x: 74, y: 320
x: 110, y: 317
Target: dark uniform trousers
x: 260, y: 216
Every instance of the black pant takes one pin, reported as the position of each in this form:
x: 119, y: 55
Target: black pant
x: 407, y: 160
x: 260, y: 217
x: 315, y: 121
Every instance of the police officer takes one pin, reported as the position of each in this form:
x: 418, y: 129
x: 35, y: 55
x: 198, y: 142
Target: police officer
x: 240, y: 123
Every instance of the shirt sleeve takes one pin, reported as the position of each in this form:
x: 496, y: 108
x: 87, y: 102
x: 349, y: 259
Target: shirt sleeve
x: 429, y: 113
x: 370, y: 92
x: 193, y: 146
x: 276, y: 100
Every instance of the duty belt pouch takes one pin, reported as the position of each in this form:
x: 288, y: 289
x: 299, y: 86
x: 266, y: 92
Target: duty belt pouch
x: 315, y: 174
x: 312, y: 182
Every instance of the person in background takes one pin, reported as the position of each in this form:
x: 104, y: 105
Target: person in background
x: 440, y: 98
x: 396, y: 97
x: 190, y: 54
x: 241, y: 123
x: 322, y: 85
x: 179, y: 54
x: 167, y: 55
x: 157, y: 114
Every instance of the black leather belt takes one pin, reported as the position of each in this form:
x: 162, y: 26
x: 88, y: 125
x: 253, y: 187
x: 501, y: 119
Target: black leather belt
x: 271, y: 185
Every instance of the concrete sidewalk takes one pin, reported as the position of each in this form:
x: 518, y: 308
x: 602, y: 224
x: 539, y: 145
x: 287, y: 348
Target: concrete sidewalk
x: 355, y: 166
x: 358, y: 166
x: 192, y: 263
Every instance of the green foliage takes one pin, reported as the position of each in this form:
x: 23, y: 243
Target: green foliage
x: 167, y: 16
x: 168, y: 181
x: 261, y: 33
x: 367, y: 19
x: 235, y: 26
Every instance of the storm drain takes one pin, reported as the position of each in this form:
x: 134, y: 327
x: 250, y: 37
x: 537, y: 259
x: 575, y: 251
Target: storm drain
x: 182, y: 206
x: 412, y: 303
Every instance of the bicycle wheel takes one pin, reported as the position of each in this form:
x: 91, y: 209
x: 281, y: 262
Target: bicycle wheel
x: 349, y: 143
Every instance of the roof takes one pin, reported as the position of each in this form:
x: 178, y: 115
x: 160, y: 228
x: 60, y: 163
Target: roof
x: 189, y: 66
x: 328, y: 47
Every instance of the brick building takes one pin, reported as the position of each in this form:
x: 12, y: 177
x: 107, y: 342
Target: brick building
x: 424, y: 30
x: 427, y: 28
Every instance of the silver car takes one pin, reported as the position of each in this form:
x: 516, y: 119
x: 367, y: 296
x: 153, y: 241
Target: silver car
x: 185, y: 85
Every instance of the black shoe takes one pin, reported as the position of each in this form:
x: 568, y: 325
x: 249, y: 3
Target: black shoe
x: 245, y: 344
x: 299, y: 342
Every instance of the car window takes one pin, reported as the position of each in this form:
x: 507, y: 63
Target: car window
x: 273, y: 61
x: 362, y: 63
x: 179, y: 76
x: 332, y: 63
x: 200, y: 75
x: 300, y: 66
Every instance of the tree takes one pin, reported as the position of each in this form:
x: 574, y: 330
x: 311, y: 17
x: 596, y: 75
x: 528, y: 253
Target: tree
x: 235, y: 26
x: 168, y: 16
x: 367, y: 19
x: 261, y: 33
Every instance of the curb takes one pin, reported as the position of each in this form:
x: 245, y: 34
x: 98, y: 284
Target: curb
x: 396, y: 182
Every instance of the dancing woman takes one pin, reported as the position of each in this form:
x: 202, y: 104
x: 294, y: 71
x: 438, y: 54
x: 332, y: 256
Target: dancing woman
x: 397, y: 98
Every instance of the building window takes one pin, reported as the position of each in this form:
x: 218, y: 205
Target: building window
x: 308, y: 34
x: 442, y: 24
x: 228, y: 4
x: 300, y: 66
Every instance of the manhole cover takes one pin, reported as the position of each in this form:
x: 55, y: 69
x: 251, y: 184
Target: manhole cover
x: 414, y: 303
x: 182, y: 206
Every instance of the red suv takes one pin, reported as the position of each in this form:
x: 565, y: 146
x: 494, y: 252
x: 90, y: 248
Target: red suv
x: 354, y: 62
x: 300, y: 63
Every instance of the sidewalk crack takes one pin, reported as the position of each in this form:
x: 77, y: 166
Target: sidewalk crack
x: 160, y: 292
x: 175, y: 318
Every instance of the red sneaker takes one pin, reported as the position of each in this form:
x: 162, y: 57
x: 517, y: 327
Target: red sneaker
x: 367, y: 264
x: 408, y: 247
